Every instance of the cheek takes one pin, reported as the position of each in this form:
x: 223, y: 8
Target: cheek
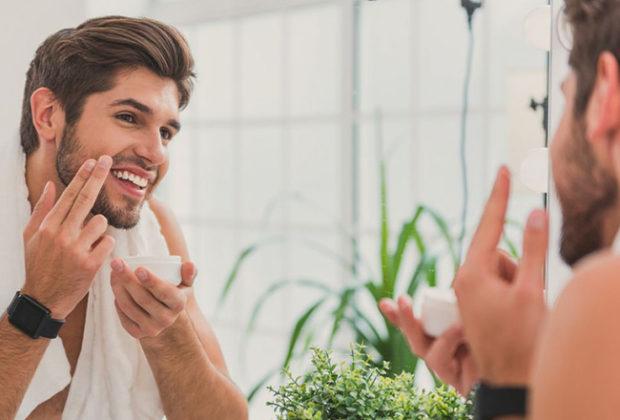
x: 559, y: 142
x: 163, y: 169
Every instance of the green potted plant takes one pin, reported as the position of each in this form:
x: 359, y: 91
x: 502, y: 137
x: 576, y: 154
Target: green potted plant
x: 341, y: 305
x: 360, y: 389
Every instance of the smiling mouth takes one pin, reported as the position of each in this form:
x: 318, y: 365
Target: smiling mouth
x: 131, y: 179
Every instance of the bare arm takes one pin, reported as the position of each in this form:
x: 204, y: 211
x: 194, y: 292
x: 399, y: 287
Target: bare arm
x: 61, y: 262
x: 186, y: 358
x: 17, y: 350
x: 577, y: 372
x: 177, y: 246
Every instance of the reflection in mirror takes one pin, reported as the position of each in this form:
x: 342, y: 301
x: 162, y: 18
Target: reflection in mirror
x: 324, y: 133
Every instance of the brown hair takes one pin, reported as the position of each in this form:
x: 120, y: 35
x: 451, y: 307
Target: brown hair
x: 77, y: 62
x: 594, y: 25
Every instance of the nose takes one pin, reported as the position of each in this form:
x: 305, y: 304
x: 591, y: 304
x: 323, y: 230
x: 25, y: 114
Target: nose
x: 152, y: 149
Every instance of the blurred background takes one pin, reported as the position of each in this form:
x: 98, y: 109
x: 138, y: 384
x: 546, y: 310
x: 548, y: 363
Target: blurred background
x: 297, y: 103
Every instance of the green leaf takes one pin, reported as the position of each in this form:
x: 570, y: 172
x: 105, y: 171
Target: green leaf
x: 362, y: 336
x: 444, y: 230
x: 422, y: 270
x: 430, y: 268
x: 245, y: 254
x: 298, y: 329
x: 273, y: 288
x: 386, y: 269
x: 408, y: 231
x: 339, y: 312
x: 261, y: 383
x: 512, y: 248
x: 375, y: 291
x: 361, y: 316
x: 235, y: 271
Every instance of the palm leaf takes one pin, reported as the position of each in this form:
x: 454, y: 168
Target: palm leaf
x: 274, y: 288
x: 444, y: 230
x: 386, y: 269
x: 339, y: 312
x: 408, y: 231
x: 298, y: 329
x: 361, y: 316
x: 245, y: 254
x: 261, y: 383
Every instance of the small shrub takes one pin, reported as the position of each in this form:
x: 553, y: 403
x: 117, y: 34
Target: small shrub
x: 362, y: 390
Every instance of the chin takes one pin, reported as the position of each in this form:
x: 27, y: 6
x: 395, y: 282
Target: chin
x: 121, y: 213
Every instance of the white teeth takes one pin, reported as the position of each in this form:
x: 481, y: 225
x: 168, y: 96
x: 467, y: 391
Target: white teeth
x: 137, y: 180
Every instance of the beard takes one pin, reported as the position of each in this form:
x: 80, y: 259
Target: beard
x: 70, y: 157
x: 587, y: 193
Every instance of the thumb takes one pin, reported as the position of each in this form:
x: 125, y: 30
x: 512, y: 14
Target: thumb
x: 41, y: 209
x: 535, y: 243
x: 188, y: 273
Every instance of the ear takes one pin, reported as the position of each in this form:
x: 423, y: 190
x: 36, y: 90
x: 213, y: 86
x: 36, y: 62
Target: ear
x: 47, y: 115
x: 603, y: 112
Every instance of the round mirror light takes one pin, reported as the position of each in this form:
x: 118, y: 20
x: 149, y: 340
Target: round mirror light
x: 534, y: 171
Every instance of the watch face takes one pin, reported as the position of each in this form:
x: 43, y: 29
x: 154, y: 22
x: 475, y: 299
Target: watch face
x: 28, y: 316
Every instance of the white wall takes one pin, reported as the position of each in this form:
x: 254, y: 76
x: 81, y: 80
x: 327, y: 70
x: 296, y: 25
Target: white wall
x: 25, y: 24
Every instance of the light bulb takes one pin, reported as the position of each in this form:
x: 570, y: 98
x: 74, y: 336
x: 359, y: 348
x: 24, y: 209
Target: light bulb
x: 534, y: 171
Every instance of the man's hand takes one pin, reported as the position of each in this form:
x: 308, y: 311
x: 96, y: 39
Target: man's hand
x: 501, y: 318
x: 146, y: 304
x: 447, y: 355
x: 62, y: 252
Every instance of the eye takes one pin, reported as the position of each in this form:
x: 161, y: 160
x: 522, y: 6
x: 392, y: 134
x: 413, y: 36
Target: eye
x: 165, y: 133
x: 127, y: 118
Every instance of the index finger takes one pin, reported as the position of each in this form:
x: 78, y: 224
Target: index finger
x: 491, y: 225
x: 58, y: 213
x: 85, y: 200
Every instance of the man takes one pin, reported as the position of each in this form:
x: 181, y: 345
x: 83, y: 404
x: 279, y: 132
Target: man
x: 508, y: 341
x: 101, y: 106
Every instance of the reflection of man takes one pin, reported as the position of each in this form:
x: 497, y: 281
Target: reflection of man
x: 572, y: 368
x: 101, y: 106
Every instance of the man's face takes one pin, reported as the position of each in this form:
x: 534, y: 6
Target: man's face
x: 586, y: 190
x: 133, y: 123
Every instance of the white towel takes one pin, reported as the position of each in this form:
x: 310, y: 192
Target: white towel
x: 112, y: 379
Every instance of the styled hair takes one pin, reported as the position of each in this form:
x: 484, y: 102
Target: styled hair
x: 595, y: 29
x: 77, y: 62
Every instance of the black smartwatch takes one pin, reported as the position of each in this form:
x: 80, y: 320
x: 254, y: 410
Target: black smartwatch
x: 492, y: 402
x: 32, y: 318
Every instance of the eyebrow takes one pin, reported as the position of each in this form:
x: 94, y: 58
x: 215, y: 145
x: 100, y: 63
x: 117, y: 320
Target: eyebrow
x: 145, y: 109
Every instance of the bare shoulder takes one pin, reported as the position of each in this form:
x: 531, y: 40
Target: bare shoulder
x: 170, y: 228
x: 577, y: 370
x: 596, y: 280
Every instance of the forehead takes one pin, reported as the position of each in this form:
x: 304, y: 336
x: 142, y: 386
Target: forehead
x: 158, y: 93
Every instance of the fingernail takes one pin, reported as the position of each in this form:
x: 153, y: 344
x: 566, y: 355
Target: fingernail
x: 89, y: 165
x: 503, y: 172
x: 105, y: 161
x: 142, y: 274
x: 537, y: 220
x: 117, y: 265
x: 47, y: 187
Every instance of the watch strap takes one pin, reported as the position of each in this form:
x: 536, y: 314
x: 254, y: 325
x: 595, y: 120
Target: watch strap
x: 492, y: 401
x: 50, y: 327
x: 47, y: 327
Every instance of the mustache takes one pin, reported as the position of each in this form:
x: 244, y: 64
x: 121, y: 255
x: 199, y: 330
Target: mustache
x: 138, y: 161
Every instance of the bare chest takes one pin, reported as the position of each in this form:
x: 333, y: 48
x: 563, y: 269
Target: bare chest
x: 71, y: 335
